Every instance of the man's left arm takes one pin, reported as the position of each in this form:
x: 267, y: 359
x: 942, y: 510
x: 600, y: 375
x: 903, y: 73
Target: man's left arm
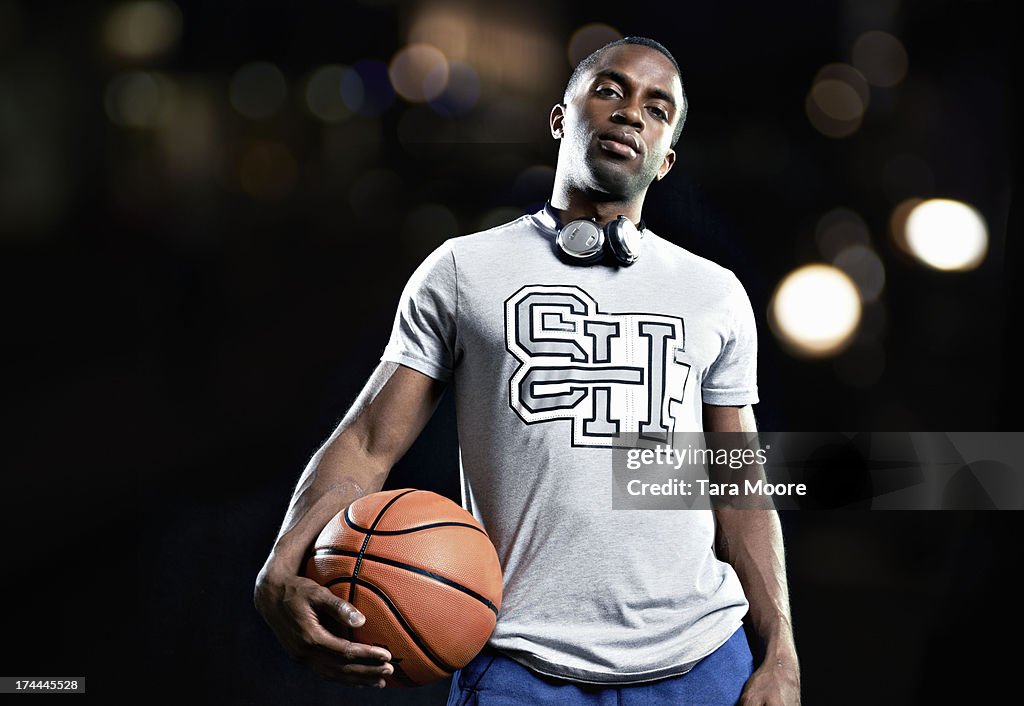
x: 751, y: 541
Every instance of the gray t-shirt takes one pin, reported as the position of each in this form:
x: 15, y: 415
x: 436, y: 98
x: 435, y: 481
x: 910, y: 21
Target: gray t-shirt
x: 549, y: 361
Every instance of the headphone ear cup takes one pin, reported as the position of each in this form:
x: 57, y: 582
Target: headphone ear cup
x: 624, y: 240
x: 582, y: 240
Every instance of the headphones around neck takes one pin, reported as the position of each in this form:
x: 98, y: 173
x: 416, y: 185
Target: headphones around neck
x: 585, y: 241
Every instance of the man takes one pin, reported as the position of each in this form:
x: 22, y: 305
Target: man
x: 559, y: 350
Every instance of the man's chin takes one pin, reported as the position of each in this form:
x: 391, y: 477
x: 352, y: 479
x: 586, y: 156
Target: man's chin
x: 615, y: 182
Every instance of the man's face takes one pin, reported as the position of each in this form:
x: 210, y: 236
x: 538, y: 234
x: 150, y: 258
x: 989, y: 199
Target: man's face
x: 617, y: 126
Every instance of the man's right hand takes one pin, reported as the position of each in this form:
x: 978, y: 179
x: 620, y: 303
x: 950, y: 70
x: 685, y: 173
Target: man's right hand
x: 298, y: 611
x: 307, y: 618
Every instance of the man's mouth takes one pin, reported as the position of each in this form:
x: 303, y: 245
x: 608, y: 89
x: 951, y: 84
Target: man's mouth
x: 620, y: 142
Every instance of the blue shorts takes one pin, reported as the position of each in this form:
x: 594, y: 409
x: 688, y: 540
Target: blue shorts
x: 492, y: 679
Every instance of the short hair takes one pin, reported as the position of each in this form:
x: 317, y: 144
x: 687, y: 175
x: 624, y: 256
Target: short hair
x: 591, y: 59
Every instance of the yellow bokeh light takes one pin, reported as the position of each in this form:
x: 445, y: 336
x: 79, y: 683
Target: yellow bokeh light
x: 815, y: 311
x: 837, y: 101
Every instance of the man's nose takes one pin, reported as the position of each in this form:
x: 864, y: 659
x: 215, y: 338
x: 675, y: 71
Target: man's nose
x: 629, y: 114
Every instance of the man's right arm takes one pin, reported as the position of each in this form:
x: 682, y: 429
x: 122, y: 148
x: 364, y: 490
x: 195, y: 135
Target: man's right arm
x: 382, y: 424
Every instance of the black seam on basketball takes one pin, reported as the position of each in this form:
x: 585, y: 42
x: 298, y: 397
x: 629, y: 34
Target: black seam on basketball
x: 438, y: 662
x: 366, y: 540
x: 356, y: 527
x: 414, y: 569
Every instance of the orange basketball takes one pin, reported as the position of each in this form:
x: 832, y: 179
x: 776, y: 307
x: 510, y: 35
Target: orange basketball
x: 423, y: 572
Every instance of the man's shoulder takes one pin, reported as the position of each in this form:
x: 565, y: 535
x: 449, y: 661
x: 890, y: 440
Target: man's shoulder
x: 690, y: 263
x: 459, y: 244
x: 496, y: 241
x: 492, y: 233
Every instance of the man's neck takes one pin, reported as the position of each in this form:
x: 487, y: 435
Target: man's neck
x: 570, y: 205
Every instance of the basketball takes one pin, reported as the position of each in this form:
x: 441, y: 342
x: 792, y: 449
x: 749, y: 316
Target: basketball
x: 424, y: 573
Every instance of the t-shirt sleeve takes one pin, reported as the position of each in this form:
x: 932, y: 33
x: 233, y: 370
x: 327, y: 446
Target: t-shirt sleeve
x: 423, y: 335
x: 732, y: 378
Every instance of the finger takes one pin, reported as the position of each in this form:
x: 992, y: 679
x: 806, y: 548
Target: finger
x: 348, y: 651
x: 347, y: 614
x: 367, y: 670
x: 337, y: 608
x: 339, y: 672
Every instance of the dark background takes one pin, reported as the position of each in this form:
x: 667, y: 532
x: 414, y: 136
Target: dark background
x: 190, y: 307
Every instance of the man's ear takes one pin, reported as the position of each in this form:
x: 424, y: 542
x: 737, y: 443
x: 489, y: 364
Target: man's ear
x: 557, y: 121
x: 666, y: 165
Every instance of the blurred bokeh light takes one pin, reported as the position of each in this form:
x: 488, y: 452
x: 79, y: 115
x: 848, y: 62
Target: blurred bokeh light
x: 419, y: 72
x: 366, y: 88
x: 589, y: 38
x: 258, y: 90
x: 135, y: 99
x: 323, y: 94
x: 446, y: 28
x: 838, y: 229
x: 864, y: 267
x: 143, y: 30
x: 898, y: 223
x: 188, y: 135
x: 947, y: 235
x: 815, y: 310
x: 881, y: 58
x: 837, y: 100
x: 460, y: 94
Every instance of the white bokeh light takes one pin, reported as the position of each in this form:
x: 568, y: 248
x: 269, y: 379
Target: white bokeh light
x: 815, y: 310
x: 947, y: 235
x: 419, y: 72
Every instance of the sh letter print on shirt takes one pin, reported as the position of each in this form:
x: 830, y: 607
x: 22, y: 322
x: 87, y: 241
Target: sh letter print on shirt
x: 612, y: 374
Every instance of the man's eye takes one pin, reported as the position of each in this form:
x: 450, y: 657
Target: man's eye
x: 658, y: 113
x: 606, y: 91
